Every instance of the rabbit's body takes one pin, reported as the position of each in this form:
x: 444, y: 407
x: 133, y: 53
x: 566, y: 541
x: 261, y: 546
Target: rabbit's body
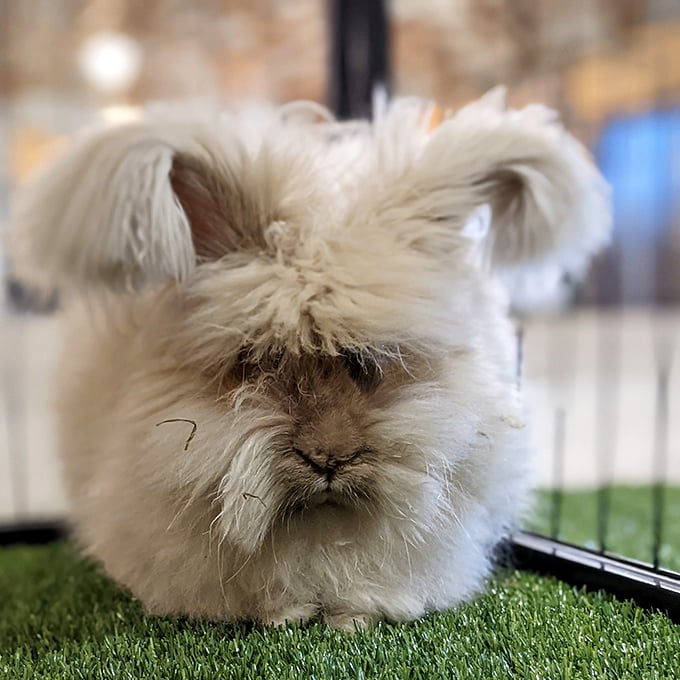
x: 322, y: 417
x: 152, y: 511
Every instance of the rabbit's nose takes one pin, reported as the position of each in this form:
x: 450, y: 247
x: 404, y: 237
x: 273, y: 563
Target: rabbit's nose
x: 326, y: 462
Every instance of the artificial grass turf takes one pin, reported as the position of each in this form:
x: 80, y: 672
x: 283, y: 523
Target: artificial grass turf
x: 61, y: 618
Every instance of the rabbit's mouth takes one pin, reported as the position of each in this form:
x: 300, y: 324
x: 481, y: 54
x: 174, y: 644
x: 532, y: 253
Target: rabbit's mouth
x: 315, y: 480
x: 344, y: 490
x: 329, y: 498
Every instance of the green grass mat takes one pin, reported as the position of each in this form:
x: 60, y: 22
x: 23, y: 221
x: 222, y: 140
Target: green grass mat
x: 60, y: 618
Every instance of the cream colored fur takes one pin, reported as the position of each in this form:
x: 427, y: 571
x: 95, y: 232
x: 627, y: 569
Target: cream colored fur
x: 343, y: 238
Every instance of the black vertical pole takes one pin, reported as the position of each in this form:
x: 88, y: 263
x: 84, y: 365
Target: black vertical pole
x: 359, y: 55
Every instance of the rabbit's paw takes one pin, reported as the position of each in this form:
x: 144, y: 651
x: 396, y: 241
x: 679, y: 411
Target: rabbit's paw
x: 294, y: 614
x: 349, y: 622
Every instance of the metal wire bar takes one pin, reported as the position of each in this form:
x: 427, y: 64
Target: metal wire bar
x: 359, y: 55
x: 608, y: 386
x: 664, y: 359
x: 650, y: 588
x: 32, y: 533
x: 661, y: 448
x: 558, y: 469
x: 15, y: 403
x: 519, y: 353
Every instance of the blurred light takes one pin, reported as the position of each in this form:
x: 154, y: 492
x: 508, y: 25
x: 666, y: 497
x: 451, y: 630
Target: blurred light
x: 120, y: 114
x: 110, y: 62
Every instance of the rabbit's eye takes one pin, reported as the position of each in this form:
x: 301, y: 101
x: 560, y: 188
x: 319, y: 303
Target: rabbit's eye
x: 244, y: 366
x: 249, y: 366
x: 363, y: 371
x: 244, y: 356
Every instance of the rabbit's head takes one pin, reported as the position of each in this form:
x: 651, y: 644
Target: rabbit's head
x: 322, y: 282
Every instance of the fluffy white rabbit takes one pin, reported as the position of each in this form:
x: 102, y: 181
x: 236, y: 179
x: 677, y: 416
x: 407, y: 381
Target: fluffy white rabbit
x: 287, y: 388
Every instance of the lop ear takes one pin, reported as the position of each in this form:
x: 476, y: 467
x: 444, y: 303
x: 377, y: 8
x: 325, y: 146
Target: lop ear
x: 128, y: 205
x: 549, y: 204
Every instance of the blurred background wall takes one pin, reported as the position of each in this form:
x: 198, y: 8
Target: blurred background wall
x: 612, y: 68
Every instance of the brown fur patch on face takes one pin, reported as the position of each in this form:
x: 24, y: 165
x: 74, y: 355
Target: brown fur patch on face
x: 328, y: 406
x: 329, y: 457
x: 330, y: 400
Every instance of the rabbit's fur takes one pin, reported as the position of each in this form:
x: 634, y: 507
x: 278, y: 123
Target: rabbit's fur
x: 304, y: 293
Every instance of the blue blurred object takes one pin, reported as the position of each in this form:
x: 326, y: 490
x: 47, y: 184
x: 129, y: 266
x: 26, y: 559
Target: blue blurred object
x: 640, y: 157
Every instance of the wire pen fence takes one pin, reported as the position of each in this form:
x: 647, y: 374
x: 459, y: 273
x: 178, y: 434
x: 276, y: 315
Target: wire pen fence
x: 632, y: 481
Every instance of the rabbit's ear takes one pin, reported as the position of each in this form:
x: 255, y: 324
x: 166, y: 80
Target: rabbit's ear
x: 549, y: 204
x: 217, y: 197
x: 124, y: 206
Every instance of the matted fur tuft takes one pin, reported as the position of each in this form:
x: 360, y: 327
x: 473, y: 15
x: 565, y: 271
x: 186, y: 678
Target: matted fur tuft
x: 287, y: 388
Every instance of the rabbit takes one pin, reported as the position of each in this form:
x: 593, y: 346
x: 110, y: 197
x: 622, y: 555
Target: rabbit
x: 287, y: 389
